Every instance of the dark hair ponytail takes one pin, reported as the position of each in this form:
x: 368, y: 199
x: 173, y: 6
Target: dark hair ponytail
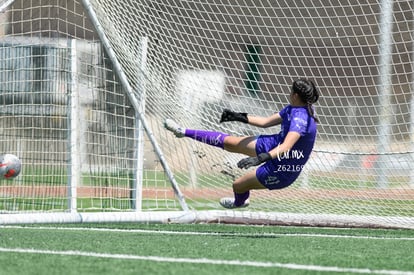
x: 307, y: 92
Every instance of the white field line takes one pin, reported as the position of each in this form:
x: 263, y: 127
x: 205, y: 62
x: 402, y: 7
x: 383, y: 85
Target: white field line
x: 167, y: 232
x: 206, y: 261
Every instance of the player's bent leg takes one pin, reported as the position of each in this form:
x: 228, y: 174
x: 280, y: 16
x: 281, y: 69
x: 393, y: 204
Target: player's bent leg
x: 241, y: 188
x: 247, y: 182
x: 229, y: 203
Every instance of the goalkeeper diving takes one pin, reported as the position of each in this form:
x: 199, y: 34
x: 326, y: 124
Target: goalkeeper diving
x: 280, y: 157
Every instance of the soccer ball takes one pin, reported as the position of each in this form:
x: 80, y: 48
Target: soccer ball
x: 10, y: 166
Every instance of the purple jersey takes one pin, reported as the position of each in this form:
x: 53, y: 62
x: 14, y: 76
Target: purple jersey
x: 284, y: 170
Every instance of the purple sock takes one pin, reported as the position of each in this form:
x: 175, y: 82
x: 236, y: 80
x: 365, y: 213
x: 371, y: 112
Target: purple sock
x: 207, y: 137
x: 241, y: 198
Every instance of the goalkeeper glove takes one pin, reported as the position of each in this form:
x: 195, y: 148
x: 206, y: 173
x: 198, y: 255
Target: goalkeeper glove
x: 229, y: 115
x: 253, y: 161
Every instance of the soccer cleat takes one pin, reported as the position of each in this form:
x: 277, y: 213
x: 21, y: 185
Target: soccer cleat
x: 229, y: 203
x: 172, y: 126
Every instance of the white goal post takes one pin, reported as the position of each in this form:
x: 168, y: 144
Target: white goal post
x: 86, y: 86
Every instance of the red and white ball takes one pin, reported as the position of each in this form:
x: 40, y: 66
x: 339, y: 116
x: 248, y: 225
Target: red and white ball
x: 10, y: 166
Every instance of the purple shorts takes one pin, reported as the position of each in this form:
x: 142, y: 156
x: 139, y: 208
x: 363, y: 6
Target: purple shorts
x: 273, y: 174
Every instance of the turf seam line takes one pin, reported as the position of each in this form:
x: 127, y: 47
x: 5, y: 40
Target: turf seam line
x: 206, y: 261
x: 312, y: 235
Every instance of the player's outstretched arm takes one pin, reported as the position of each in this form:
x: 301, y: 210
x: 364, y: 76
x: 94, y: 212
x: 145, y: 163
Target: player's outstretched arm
x: 264, y: 122
x: 229, y: 115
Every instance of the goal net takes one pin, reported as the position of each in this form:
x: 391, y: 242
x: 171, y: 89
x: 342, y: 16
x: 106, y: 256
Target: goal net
x: 86, y: 86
